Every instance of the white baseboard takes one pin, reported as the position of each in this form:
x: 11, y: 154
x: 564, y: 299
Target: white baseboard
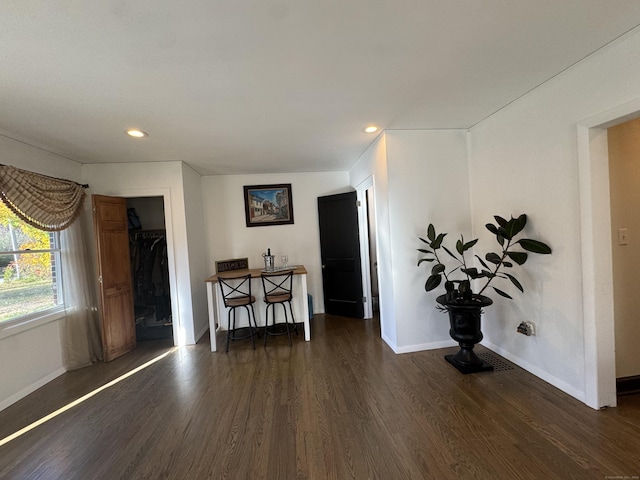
x: 427, y: 346
x: 199, y: 335
x: 556, y: 382
x: 30, y: 389
x: 392, y: 345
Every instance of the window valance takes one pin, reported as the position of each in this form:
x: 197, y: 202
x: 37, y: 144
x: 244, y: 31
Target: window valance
x: 47, y: 203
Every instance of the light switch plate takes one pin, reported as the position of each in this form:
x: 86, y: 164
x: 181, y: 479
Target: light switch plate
x: 623, y: 236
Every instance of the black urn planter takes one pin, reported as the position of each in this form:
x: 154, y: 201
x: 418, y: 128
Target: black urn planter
x: 465, y: 319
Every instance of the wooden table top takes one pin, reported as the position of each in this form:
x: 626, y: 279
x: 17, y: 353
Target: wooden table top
x: 255, y: 272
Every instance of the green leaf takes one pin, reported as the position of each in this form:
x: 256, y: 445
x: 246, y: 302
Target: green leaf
x: 507, y: 264
x: 518, y: 257
x: 425, y: 260
x: 493, y: 258
x: 472, y: 272
x: 510, y: 228
x: 437, y: 243
x: 437, y: 269
x: 521, y: 222
x: 492, y: 228
x: 431, y: 232
x: 432, y: 282
x: 423, y: 250
x: 425, y: 241
x: 501, y: 221
x: 460, y: 246
x: 482, y: 262
x: 534, y: 246
x: 470, y: 244
x: 515, y: 281
x: 504, y: 294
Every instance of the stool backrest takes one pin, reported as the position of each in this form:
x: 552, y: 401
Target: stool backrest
x: 277, y: 283
x: 233, y: 288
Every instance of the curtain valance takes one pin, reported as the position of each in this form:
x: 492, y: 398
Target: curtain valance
x: 47, y: 203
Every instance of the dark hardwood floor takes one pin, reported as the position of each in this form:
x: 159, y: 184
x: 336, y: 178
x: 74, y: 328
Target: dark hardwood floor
x: 341, y: 406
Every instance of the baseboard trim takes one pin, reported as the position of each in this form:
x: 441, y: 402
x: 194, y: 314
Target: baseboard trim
x: 421, y: 347
x: 30, y: 389
x: 538, y: 372
x: 628, y: 385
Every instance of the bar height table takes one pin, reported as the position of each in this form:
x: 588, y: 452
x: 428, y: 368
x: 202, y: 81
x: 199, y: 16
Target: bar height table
x: 216, y: 306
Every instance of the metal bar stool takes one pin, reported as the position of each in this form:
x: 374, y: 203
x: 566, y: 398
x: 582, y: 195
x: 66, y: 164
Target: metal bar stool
x: 278, y: 290
x: 236, y: 292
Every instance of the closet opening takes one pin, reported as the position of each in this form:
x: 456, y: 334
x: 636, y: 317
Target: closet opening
x: 149, y: 268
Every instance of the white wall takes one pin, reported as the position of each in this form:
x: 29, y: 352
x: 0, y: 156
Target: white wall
x: 193, y: 201
x: 34, y: 356
x: 227, y: 235
x: 162, y: 179
x: 428, y: 183
x: 420, y: 177
x: 373, y: 163
x: 525, y: 159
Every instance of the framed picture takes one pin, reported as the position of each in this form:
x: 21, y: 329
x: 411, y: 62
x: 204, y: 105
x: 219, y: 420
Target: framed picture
x: 268, y: 205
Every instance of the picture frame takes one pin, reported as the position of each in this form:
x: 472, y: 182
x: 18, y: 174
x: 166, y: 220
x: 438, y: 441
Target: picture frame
x: 266, y: 205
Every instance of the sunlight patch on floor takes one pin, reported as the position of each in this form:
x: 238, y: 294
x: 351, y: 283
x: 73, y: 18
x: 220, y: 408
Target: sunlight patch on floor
x: 77, y: 402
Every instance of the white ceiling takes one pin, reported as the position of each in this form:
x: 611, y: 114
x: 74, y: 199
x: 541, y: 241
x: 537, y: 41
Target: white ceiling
x: 272, y: 86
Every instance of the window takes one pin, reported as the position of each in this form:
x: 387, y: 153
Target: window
x: 30, y: 281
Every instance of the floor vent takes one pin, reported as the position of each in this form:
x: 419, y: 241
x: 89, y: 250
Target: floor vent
x: 499, y: 364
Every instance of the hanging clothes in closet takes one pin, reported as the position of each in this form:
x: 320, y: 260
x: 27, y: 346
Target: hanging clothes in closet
x: 149, y: 267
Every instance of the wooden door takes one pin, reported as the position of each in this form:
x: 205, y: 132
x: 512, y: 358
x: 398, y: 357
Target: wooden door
x: 114, y: 276
x: 340, y: 253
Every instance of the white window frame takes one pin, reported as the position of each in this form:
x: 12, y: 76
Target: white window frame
x: 41, y: 317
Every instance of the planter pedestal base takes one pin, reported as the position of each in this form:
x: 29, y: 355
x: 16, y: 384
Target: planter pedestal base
x: 469, y: 367
x: 464, y: 318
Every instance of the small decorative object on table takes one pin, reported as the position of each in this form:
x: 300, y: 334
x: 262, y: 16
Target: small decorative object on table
x: 269, y: 261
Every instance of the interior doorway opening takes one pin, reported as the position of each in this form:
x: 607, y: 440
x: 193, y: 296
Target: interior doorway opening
x: 596, y: 242
x: 623, y: 142
x: 373, y: 251
x: 367, y: 225
x: 150, y: 268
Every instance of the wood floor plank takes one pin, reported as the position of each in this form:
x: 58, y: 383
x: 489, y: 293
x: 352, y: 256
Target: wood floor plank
x: 341, y: 406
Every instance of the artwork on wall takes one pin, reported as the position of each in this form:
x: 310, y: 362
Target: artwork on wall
x: 268, y: 205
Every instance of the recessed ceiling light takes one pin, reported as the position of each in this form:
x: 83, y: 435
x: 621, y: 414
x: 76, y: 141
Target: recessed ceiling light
x: 371, y: 129
x: 134, y: 132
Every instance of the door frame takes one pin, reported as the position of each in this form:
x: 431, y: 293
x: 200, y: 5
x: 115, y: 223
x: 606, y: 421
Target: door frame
x: 165, y: 193
x: 597, y: 263
x: 363, y: 226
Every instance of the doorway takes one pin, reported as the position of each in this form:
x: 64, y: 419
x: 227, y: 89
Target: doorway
x: 340, y: 252
x: 373, y: 251
x: 624, y: 178
x: 149, y: 268
x: 153, y: 217
x: 368, y: 244
x: 595, y: 230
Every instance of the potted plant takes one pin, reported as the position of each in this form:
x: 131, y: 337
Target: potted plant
x: 463, y: 305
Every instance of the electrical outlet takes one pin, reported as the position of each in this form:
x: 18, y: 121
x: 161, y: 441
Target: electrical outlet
x: 526, y: 328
